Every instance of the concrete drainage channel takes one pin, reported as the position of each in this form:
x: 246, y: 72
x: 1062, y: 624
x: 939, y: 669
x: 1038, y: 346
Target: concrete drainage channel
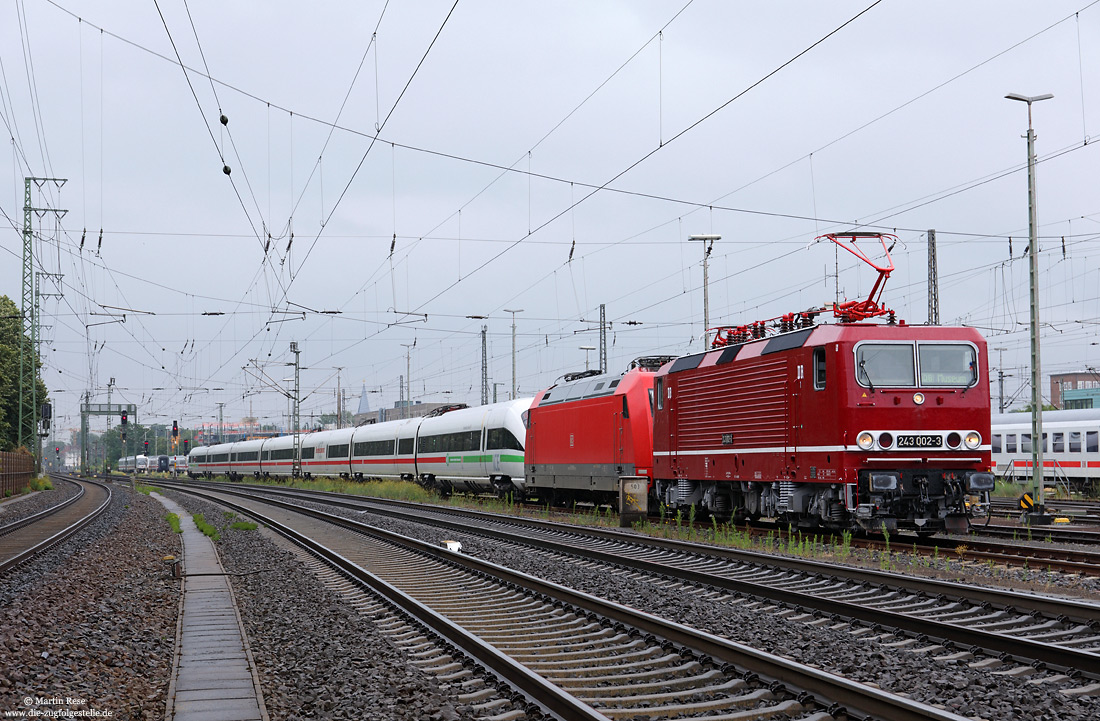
x: 572, y: 655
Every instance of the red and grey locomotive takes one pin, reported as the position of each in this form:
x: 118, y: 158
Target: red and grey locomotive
x: 857, y: 424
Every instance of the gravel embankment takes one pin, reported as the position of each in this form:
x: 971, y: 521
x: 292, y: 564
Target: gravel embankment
x: 16, y: 509
x: 317, y: 657
x: 95, y: 621
x: 962, y: 690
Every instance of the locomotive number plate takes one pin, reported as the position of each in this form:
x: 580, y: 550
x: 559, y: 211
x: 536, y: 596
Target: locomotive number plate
x: 920, y: 441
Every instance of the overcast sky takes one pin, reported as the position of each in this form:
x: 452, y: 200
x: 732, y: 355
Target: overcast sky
x: 547, y: 157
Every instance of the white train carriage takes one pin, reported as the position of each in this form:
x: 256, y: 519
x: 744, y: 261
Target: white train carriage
x: 244, y: 459
x: 476, y: 449
x: 141, y: 465
x: 209, y: 461
x: 385, y: 450
x: 277, y: 456
x: 127, y: 464
x: 331, y: 453
x: 1071, y: 447
x: 177, y: 464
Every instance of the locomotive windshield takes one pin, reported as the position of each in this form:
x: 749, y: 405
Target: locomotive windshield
x: 947, y: 364
x: 937, y: 364
x: 885, y: 364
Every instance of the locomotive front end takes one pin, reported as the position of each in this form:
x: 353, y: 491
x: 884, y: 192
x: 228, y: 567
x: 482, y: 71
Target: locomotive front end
x: 920, y: 419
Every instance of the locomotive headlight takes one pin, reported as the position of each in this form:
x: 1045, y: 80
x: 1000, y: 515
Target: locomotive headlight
x: 885, y: 440
x: 865, y: 440
x: 953, y: 440
x: 973, y: 439
x: 918, y: 398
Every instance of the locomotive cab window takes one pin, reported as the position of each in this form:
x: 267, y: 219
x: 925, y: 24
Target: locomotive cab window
x: 819, y: 369
x: 885, y: 364
x: 947, y: 364
x: 660, y: 392
x: 502, y: 439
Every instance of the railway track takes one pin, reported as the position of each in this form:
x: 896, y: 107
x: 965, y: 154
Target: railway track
x: 21, y: 540
x: 1028, y: 629
x: 573, y: 655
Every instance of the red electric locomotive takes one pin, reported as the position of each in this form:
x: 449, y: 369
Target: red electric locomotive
x: 853, y: 425
x: 585, y: 433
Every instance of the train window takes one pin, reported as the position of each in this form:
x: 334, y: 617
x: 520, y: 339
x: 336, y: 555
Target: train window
x: 651, y: 402
x: 1092, y: 441
x: 613, y: 383
x: 819, y: 369
x: 1025, y: 443
x: 1075, y: 441
x: 1059, y: 442
x: 338, y: 451
x: 266, y: 455
x: 626, y: 411
x: 444, y: 442
x: 659, y: 387
x: 996, y: 443
x: 373, y: 448
x: 502, y: 439
x: 947, y: 364
x: 405, y: 447
x: 1010, y: 443
x: 232, y: 457
x: 885, y: 364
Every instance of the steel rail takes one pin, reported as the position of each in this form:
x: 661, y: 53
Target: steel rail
x: 1054, y: 656
x: 550, y: 697
x: 841, y: 696
x: 16, y: 525
x: 1079, y: 611
x: 63, y: 534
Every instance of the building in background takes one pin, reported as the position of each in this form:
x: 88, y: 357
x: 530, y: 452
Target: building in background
x: 1061, y: 385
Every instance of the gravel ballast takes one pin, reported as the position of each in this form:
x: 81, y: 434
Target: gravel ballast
x: 16, y: 509
x: 955, y: 686
x: 317, y: 657
x: 91, y: 626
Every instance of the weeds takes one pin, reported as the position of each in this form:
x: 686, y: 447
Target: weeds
x: 244, y: 526
x: 205, y: 527
x: 174, y: 522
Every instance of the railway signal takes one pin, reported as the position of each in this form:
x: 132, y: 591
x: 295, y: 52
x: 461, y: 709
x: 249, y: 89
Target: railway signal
x: 124, y: 419
x: 186, y: 443
x: 146, y: 447
x: 175, y: 429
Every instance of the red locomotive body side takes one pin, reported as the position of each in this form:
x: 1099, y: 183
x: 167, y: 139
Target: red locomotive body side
x: 842, y: 425
x: 584, y: 435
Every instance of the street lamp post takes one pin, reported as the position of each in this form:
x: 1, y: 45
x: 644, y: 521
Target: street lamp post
x: 513, y: 312
x: 587, y: 348
x: 708, y: 245
x: 1036, y: 366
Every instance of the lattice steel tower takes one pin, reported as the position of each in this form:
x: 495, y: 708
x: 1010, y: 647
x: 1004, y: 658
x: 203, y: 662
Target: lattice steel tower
x: 28, y: 355
x: 933, y: 282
